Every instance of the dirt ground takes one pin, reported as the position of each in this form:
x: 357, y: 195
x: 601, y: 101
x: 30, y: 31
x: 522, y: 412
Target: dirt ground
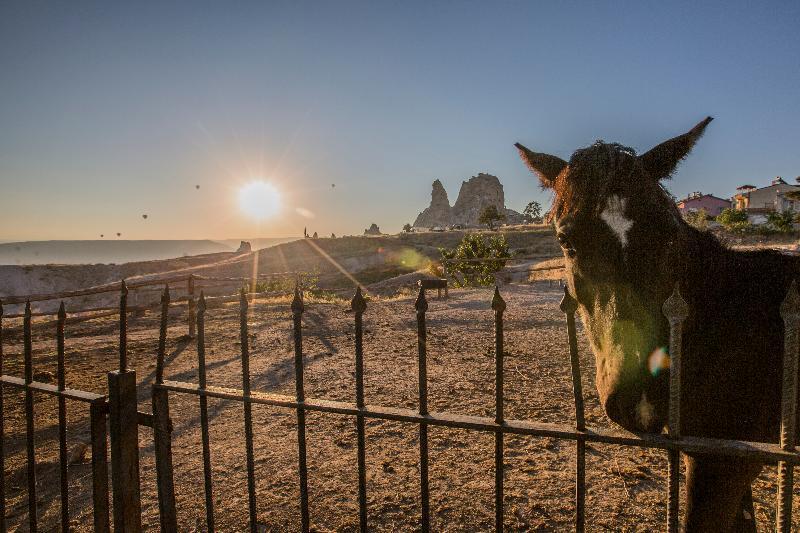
x: 626, y: 486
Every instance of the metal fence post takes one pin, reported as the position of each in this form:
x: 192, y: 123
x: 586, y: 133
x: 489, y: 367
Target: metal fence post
x: 421, y: 305
x: 569, y: 306
x: 191, y: 305
x: 676, y: 310
x: 499, y: 307
x: 124, y: 434
x: 297, y: 318
x: 99, y: 434
x: 62, y: 419
x: 29, y: 419
x: 247, y: 407
x: 2, y: 437
x: 790, y: 312
x: 358, y: 304
x: 162, y: 432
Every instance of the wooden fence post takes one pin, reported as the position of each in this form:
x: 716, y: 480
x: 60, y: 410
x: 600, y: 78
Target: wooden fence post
x: 124, y: 434
x: 99, y: 435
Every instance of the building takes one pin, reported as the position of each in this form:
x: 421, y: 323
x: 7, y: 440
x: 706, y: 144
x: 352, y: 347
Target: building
x: 760, y: 202
x: 696, y: 201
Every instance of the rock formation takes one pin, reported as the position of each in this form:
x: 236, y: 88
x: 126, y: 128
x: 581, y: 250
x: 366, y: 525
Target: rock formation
x: 244, y: 247
x: 474, y: 196
x: 438, y: 213
x: 373, y: 230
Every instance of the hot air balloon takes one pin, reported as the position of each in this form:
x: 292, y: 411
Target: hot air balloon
x: 144, y: 217
x: 196, y: 186
x: 101, y: 235
x: 119, y: 234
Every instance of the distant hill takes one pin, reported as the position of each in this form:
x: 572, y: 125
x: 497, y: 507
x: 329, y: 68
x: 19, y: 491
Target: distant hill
x: 116, y: 251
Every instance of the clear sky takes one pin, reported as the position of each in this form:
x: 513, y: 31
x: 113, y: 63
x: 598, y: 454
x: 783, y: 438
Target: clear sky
x: 116, y: 109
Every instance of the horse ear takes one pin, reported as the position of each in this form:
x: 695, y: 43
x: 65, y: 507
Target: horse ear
x: 662, y: 160
x: 546, y: 166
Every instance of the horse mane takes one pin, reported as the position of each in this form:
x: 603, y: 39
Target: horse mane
x: 593, y: 172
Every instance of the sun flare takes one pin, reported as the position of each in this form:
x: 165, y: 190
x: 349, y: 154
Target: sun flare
x: 259, y: 200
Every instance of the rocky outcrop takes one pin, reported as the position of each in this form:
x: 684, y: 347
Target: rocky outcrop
x: 438, y: 213
x: 475, y: 195
x: 373, y: 230
x: 244, y: 247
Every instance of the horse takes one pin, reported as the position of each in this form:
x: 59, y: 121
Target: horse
x: 625, y: 247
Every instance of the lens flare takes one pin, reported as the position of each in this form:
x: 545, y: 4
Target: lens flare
x: 658, y: 361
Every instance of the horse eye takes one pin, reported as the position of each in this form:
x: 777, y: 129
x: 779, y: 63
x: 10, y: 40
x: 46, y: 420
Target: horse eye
x: 565, y: 244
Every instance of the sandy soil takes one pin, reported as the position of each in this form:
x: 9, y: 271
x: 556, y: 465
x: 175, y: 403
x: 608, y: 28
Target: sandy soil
x: 626, y: 486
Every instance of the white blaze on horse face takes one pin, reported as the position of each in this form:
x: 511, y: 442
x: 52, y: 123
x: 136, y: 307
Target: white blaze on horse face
x: 645, y: 412
x: 614, y: 216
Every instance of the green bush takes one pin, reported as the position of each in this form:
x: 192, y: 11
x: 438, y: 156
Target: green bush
x: 307, y: 280
x: 698, y: 219
x: 734, y: 220
x: 466, y: 273
x: 781, y: 222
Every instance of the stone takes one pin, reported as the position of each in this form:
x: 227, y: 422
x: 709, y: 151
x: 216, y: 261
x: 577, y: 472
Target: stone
x: 475, y: 195
x: 438, y: 213
x: 244, y: 248
x: 373, y: 230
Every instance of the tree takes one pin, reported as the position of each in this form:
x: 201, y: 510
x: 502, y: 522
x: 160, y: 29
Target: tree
x: 490, y: 215
x: 734, y: 220
x: 407, y: 228
x: 475, y: 260
x: 532, y: 211
x: 782, y: 222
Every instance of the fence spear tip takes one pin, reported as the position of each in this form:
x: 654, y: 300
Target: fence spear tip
x: 358, y: 303
x: 62, y: 311
x: 790, y: 307
x: 123, y: 287
x: 297, y: 302
x: 568, y: 303
x: 675, y: 307
x: 28, y: 308
x: 498, y: 304
x: 421, y: 304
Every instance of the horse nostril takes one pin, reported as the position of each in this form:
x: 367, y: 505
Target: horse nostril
x: 617, y: 412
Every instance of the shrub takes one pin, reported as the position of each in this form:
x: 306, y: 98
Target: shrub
x: 307, y: 280
x: 697, y: 218
x: 466, y: 273
x: 734, y: 220
x: 781, y: 222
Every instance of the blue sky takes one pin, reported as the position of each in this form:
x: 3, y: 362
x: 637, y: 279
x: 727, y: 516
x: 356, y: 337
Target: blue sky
x: 112, y: 111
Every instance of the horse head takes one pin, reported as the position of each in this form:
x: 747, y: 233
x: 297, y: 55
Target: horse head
x: 618, y: 229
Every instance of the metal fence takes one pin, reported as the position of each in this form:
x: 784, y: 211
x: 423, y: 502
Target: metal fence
x: 675, y: 309
x: 121, y: 408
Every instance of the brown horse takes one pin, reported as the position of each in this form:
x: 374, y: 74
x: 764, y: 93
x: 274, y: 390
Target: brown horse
x: 625, y: 247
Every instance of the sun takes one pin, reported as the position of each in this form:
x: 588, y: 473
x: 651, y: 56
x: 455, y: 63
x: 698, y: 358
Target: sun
x: 259, y: 199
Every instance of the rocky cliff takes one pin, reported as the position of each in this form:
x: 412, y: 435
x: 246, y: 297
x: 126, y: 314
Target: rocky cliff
x: 438, y: 213
x: 475, y: 195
